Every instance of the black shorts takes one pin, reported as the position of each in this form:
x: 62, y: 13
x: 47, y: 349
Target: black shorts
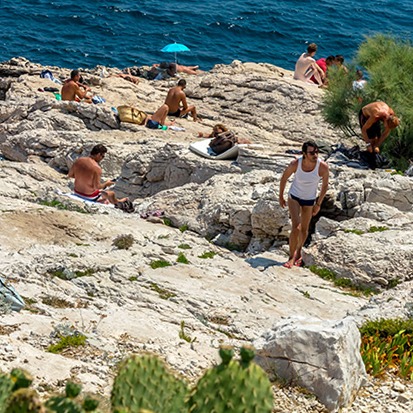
x: 303, y: 202
x: 153, y: 124
x: 177, y: 114
x: 374, y: 131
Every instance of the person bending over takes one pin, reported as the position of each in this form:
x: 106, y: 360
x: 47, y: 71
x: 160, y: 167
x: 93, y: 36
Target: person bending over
x: 87, y: 174
x: 176, y: 96
x: 370, y: 117
x: 303, y: 202
x: 158, y: 119
x: 74, y: 90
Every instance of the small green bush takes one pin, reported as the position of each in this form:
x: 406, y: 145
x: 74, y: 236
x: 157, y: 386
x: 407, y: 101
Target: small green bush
x: 208, y: 254
x: 377, y: 229
x: 183, y: 228
x: 163, y: 292
x: 123, y: 242
x: 60, y: 205
x: 133, y: 278
x: 167, y: 222
x: 354, y: 231
x: 184, y: 247
x: 182, y: 259
x: 159, y: 264
x: 67, y: 342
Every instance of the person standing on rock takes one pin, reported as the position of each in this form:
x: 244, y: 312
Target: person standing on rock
x: 175, y: 97
x: 370, y: 117
x: 87, y: 174
x: 303, y: 202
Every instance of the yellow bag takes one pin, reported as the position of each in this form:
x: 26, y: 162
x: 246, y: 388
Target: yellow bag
x: 131, y: 115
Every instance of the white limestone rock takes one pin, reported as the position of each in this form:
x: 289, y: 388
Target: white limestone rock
x: 322, y: 356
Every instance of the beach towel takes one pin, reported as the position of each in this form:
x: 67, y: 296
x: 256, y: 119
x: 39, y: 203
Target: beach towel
x: 202, y: 148
x: 78, y: 198
x: 98, y: 99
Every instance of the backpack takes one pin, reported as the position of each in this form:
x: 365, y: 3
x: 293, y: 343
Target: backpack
x: 9, y: 295
x: 223, y: 141
x: 131, y: 115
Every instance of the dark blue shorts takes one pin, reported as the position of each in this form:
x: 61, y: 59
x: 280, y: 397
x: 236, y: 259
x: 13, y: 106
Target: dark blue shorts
x: 152, y: 124
x: 303, y: 202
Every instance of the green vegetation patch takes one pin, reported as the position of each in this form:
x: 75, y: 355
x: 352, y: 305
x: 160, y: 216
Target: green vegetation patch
x: 207, y: 254
x: 354, y: 231
x: 377, y: 229
x: 159, y: 264
x: 67, y: 342
x: 387, y: 345
x: 182, y: 259
x: 67, y: 275
x: 346, y: 283
x: 183, y: 228
x: 183, y: 335
x: 60, y: 205
x: 123, y: 242
x: 163, y: 292
x: 184, y: 247
x: 56, y: 302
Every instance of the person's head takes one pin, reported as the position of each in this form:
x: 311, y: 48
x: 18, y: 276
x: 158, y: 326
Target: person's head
x: 75, y: 75
x: 182, y: 83
x: 393, y: 121
x: 309, y: 149
x: 339, y: 59
x: 219, y: 128
x: 312, y: 48
x: 359, y: 74
x: 330, y: 60
x: 98, y: 152
x: 171, y: 69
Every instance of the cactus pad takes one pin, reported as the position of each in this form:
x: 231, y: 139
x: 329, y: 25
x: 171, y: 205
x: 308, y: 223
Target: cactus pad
x: 144, y: 382
x: 24, y: 401
x: 232, y: 387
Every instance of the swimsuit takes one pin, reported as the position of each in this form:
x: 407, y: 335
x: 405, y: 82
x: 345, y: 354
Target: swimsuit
x: 176, y: 114
x: 153, y: 124
x: 374, y: 131
x: 303, y: 202
x: 92, y: 197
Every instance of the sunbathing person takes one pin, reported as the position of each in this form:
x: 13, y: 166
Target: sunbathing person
x: 87, y: 174
x: 175, y: 97
x: 216, y: 130
x: 74, y: 90
x: 173, y: 68
x: 306, y: 67
x: 158, y: 119
x: 128, y: 76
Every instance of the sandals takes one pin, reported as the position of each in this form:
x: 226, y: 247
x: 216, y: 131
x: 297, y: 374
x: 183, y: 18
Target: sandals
x: 299, y: 263
x: 287, y: 265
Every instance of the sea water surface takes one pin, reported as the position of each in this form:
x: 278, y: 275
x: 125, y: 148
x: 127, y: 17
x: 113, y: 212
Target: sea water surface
x: 124, y: 33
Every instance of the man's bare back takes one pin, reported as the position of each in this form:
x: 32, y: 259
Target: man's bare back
x: 87, y: 174
x: 174, y: 98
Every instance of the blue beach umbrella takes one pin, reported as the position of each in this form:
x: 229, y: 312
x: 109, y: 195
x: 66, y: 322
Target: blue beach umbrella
x: 175, y: 48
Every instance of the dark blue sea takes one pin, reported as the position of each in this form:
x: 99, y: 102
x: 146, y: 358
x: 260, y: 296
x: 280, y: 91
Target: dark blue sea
x: 124, y: 33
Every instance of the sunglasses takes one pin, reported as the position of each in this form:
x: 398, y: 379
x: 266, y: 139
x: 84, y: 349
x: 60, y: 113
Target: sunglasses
x: 314, y: 152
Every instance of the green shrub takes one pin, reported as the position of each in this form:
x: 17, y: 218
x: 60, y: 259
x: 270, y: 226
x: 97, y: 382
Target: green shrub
x: 67, y: 342
x: 388, y: 62
x: 386, y: 345
x: 60, y: 205
x: 123, y: 242
x: 183, y: 228
x: 163, y: 292
x: 354, y: 231
x: 184, y: 246
x: 167, y: 222
x: 182, y: 259
x: 159, y: 264
x: 377, y: 229
x: 208, y: 254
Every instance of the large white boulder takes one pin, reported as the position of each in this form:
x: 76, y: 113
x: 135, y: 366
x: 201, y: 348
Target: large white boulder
x: 322, y: 356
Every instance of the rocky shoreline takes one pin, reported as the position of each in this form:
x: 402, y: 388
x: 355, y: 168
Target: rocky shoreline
x: 116, y: 298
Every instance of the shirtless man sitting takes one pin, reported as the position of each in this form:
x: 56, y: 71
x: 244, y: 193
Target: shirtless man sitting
x: 370, y: 117
x: 87, y: 174
x: 73, y: 90
x: 306, y: 67
x: 175, y: 96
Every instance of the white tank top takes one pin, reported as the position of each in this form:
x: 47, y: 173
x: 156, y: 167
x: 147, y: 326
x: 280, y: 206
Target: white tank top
x: 305, y: 184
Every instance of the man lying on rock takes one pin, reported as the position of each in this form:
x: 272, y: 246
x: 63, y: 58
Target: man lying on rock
x: 87, y: 174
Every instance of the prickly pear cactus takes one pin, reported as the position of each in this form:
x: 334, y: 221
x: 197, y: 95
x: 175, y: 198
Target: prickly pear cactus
x: 232, y: 387
x: 24, y: 401
x: 62, y: 404
x: 72, y: 389
x: 5, y: 390
x: 21, y: 379
x: 144, y: 382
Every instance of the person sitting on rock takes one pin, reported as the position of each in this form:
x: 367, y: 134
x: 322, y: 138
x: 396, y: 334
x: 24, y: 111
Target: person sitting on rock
x: 370, y: 117
x: 306, y: 67
x: 74, y: 90
x: 218, y: 129
x: 175, y: 97
x: 158, y: 119
x: 87, y: 174
x: 303, y: 202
